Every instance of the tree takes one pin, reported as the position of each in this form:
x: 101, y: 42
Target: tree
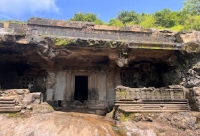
x: 115, y: 22
x: 192, y: 7
x: 166, y: 18
x: 192, y: 23
x: 147, y: 21
x: 88, y: 17
x: 127, y: 17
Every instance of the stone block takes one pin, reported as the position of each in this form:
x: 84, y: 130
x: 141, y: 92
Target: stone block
x: 188, y: 37
x: 34, y: 98
x: 42, y: 108
x: 22, y: 91
x: 28, y: 99
x: 110, y: 28
x: 100, y: 112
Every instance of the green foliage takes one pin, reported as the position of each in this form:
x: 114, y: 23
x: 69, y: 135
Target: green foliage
x: 148, y: 21
x: 14, y: 115
x: 130, y: 23
x: 166, y: 18
x: 99, y: 22
x: 88, y: 17
x: 126, y: 116
x: 177, y: 28
x: 192, y: 23
x: 62, y: 42
x: 192, y: 7
x: 186, y: 19
x: 115, y: 22
x: 127, y: 17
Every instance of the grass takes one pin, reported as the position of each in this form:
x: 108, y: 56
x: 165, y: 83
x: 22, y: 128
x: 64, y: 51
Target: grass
x: 14, y: 115
x: 126, y: 116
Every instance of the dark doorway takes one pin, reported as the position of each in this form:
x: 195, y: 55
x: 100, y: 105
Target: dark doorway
x: 81, y: 88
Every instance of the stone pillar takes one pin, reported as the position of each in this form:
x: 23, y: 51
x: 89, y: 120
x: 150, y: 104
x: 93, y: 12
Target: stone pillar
x: 60, y: 85
x: 102, y: 86
x: 111, y: 83
x: 70, y: 86
x: 93, y: 93
x: 50, y: 85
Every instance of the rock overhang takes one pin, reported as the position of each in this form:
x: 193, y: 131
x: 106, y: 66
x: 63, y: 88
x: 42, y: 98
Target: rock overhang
x: 51, y: 39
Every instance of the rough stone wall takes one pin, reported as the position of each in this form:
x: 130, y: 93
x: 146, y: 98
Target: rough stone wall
x: 84, y: 30
x: 186, y: 72
x: 18, y: 28
x: 173, y: 92
x: 14, y: 100
x: 36, y: 45
x: 191, y: 80
x: 61, y: 87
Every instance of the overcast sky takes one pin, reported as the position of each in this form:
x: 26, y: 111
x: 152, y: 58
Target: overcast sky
x: 64, y: 9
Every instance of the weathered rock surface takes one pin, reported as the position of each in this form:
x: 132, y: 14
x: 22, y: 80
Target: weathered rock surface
x: 17, y: 99
x: 78, y: 124
x: 159, y: 124
x: 186, y: 37
x: 32, y: 98
x: 45, y: 40
x: 56, y: 124
x: 41, y: 108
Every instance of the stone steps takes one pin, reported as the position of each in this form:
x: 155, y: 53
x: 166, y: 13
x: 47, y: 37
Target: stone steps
x: 153, y: 106
x: 7, y: 102
x: 10, y: 109
x: 8, y: 105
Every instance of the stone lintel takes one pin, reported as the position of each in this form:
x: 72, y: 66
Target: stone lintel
x: 80, y: 25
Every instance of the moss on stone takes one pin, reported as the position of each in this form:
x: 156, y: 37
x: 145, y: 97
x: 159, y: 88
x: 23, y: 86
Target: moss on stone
x: 43, y: 108
x: 126, y: 116
x: 62, y: 42
x: 14, y: 115
x: 121, y: 94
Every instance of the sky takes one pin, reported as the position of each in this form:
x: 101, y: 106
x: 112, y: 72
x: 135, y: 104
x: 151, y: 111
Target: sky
x: 22, y: 10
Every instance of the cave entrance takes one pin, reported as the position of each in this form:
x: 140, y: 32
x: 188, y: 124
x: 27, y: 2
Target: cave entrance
x: 81, y: 88
x: 22, y: 76
x: 144, y: 74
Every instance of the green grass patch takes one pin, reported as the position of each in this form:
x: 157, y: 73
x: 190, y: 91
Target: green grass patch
x: 14, y: 115
x: 126, y: 116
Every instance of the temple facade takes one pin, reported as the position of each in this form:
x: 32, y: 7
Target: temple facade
x: 83, y: 65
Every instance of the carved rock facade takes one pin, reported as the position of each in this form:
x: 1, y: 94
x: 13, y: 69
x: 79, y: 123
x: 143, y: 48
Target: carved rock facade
x: 79, y: 64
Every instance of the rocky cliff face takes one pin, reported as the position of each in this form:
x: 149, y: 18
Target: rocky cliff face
x: 41, y: 41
